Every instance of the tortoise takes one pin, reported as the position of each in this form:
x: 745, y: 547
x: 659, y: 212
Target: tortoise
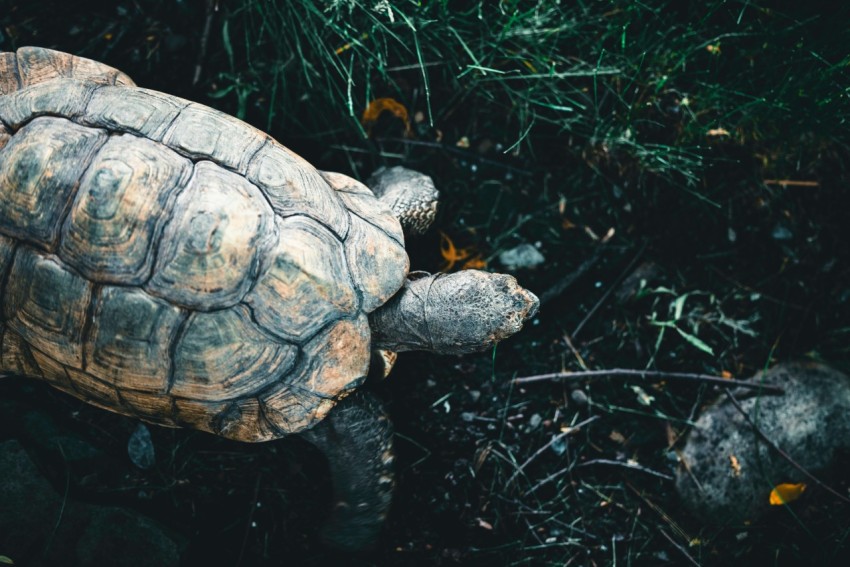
x: 168, y: 262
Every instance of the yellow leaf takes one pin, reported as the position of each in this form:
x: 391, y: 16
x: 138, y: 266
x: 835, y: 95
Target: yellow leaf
x: 718, y: 132
x: 736, y: 466
x: 786, y: 492
x: 450, y: 253
x: 476, y: 263
x: 381, y: 105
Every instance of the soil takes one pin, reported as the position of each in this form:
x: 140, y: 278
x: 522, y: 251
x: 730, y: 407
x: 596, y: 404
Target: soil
x: 764, y: 278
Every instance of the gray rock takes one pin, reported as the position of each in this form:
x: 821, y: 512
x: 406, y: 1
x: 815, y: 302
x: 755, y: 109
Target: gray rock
x: 40, y: 527
x: 521, y: 257
x: 811, y: 423
x: 140, y: 447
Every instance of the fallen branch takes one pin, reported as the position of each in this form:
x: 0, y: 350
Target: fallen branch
x: 633, y: 372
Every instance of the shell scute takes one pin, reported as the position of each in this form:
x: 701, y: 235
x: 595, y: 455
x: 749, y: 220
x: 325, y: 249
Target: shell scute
x: 334, y: 362
x: 37, y: 65
x: 204, y: 133
x: 363, y: 203
x: 7, y: 250
x: 130, y: 337
x: 378, y: 264
x: 46, y: 304
x: 8, y: 73
x: 16, y: 355
x: 208, y: 253
x: 222, y: 355
x: 305, y: 284
x: 120, y: 209
x: 39, y: 171
x: 139, y: 111
x: 293, y: 186
x: 63, y: 97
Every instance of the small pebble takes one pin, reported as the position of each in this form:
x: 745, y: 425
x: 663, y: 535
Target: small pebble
x: 521, y: 257
x: 579, y: 397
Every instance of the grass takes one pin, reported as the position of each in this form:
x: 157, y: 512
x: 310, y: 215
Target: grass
x: 681, y: 166
x: 650, y: 81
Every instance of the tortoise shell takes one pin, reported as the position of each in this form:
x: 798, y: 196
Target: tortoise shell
x: 164, y: 260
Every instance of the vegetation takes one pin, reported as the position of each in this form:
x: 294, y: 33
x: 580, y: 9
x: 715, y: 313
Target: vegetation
x: 683, y: 169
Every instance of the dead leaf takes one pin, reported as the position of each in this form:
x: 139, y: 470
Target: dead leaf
x: 476, y: 263
x: 617, y: 437
x: 786, y: 492
x: 381, y: 105
x: 717, y: 132
x: 736, y: 466
x: 452, y: 255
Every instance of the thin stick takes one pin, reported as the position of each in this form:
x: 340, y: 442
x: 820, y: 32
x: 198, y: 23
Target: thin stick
x: 589, y: 374
x: 791, y: 183
x: 782, y: 453
x: 609, y: 291
x: 634, y: 372
x: 569, y: 431
x: 679, y: 547
x: 564, y: 283
x: 629, y: 466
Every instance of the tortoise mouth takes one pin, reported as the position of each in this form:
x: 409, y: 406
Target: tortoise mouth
x: 521, y: 305
x: 533, y: 305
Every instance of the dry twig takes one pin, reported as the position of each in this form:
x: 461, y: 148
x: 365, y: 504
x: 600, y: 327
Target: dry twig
x: 634, y: 372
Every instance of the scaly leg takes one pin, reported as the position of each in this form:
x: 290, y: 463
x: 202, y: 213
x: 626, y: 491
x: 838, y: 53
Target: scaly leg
x: 356, y: 438
x: 410, y: 195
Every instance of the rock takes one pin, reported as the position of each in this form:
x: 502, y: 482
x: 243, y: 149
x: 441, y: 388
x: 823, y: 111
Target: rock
x: 140, y: 447
x: 521, y: 257
x: 125, y: 538
x: 644, y: 275
x: 40, y: 527
x: 736, y: 471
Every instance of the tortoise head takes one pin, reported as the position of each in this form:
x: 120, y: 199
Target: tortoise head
x: 458, y: 313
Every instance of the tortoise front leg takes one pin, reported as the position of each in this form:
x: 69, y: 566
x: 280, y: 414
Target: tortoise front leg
x: 356, y: 438
x: 410, y: 195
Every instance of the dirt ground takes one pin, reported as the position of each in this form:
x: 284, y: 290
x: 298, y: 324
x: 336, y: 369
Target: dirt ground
x: 761, y: 278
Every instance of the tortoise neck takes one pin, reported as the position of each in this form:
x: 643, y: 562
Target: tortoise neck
x: 458, y: 313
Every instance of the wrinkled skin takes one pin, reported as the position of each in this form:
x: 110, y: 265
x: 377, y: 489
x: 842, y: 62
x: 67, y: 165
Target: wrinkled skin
x: 458, y: 313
